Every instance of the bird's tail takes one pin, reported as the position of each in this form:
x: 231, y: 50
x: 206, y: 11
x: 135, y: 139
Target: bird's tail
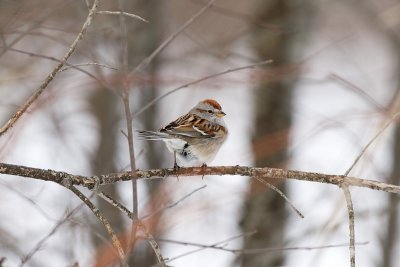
x: 150, y: 135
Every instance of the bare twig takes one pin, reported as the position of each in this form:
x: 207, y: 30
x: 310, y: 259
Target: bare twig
x: 129, y: 15
x: 346, y: 191
x: 116, y: 243
x: 208, y: 77
x: 356, y: 89
x: 253, y: 250
x: 174, y: 203
x: 164, y: 44
x: 270, y: 173
x: 350, y: 210
x: 40, y: 244
x: 31, y: 27
x: 54, y: 72
x: 129, y: 124
x: 217, y: 244
x: 54, y: 59
x: 87, y: 64
x: 128, y: 213
x: 394, y: 118
x: 149, y: 237
x: 115, y: 203
x: 281, y: 194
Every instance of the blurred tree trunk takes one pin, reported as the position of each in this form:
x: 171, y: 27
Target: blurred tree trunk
x: 104, y: 105
x: 264, y: 209
x: 143, y: 39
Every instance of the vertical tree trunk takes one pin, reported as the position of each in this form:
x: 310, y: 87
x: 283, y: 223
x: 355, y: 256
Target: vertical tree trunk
x: 264, y: 209
x: 104, y: 105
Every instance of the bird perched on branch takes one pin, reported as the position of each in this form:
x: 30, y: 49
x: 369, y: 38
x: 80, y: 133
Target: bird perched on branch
x: 195, y: 137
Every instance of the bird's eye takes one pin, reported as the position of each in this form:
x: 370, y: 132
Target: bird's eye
x: 209, y: 111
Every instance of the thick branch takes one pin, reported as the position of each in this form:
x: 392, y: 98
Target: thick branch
x: 273, y: 173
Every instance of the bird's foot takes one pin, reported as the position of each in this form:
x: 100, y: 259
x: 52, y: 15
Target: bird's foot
x: 176, y: 168
x: 203, y: 166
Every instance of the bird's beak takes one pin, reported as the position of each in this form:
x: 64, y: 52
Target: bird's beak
x: 220, y: 114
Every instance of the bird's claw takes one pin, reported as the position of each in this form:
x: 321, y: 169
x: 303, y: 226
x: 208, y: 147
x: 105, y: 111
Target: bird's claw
x: 203, y: 166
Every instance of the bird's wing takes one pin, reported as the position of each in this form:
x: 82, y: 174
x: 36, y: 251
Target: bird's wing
x: 191, y: 125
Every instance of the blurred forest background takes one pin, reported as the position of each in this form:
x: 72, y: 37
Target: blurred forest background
x: 333, y: 84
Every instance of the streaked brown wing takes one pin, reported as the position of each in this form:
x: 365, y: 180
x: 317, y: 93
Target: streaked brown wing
x: 191, y: 125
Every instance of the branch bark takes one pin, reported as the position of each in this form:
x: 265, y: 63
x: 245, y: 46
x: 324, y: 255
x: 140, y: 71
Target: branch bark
x: 265, y: 172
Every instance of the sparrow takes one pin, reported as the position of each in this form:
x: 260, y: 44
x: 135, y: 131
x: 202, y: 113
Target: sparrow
x: 195, y: 137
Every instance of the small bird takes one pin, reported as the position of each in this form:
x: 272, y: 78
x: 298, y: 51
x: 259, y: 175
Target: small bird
x: 195, y: 137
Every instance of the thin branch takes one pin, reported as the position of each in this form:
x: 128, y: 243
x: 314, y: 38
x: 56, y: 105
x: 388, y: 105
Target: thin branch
x: 253, y: 250
x: 76, y: 67
x: 10, y: 123
x: 174, y: 203
x: 266, y: 172
x: 217, y: 244
x: 52, y: 59
x: 164, y: 44
x: 208, y: 77
x: 350, y: 210
x: 129, y: 125
x: 356, y: 89
x: 281, y: 194
x: 128, y: 213
x: 149, y: 237
x: 41, y: 242
x: 115, y: 203
x: 116, y: 243
x: 130, y: 15
x: 394, y: 118
x: 87, y: 64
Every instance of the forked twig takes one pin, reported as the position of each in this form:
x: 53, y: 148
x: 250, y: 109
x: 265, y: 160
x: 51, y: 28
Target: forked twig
x: 347, y: 194
x: 149, y: 237
x: 10, y: 123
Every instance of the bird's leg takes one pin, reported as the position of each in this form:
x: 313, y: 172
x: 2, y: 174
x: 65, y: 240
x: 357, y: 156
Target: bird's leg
x: 203, y: 166
x: 176, y: 166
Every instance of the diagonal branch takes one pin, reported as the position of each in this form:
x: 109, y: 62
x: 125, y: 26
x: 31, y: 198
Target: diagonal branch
x: 205, y: 78
x: 149, y: 237
x: 10, y: 123
x: 164, y: 44
x: 116, y: 243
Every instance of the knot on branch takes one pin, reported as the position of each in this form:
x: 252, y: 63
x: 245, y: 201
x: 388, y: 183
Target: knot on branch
x: 66, y: 181
x: 96, y: 184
